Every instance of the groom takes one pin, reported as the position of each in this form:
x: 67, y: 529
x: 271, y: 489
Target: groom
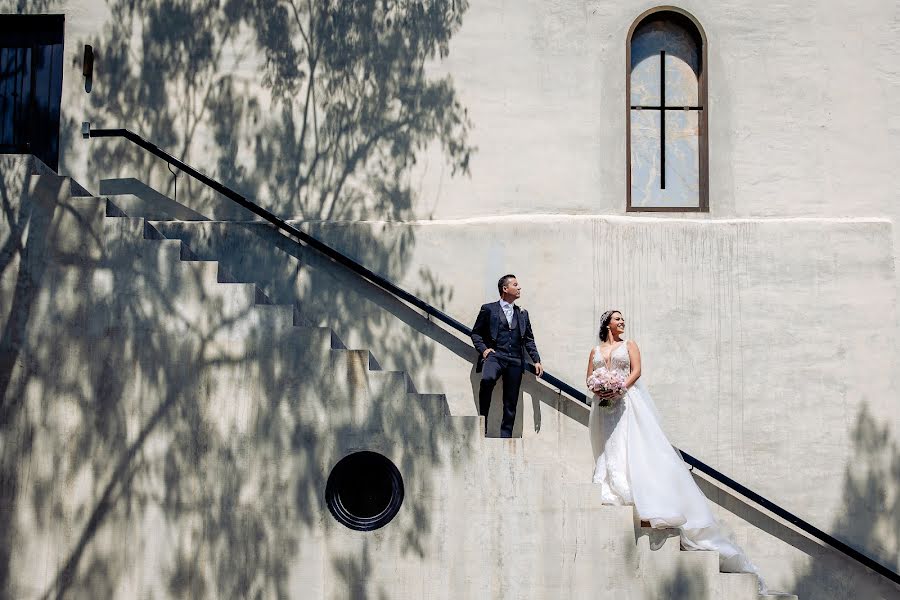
x: 502, y: 335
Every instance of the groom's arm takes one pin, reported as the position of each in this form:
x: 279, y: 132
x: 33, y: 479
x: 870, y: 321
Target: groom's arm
x: 530, y: 346
x: 481, y: 330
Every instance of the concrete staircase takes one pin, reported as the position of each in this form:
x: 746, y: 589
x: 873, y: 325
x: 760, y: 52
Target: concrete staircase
x: 193, y: 413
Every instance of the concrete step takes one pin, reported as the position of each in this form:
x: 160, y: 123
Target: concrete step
x: 157, y: 207
x: 25, y: 165
x: 433, y: 405
x: 382, y: 397
x: 304, y: 351
x: 374, y: 397
x: 692, y: 565
x: 203, y: 240
x: 71, y: 229
x: 251, y: 252
x: 122, y: 234
x: 667, y: 542
x: 127, y: 237
x: 658, y: 551
x: 78, y: 225
x: 668, y: 572
x: 68, y: 186
x: 353, y: 359
x: 254, y: 324
x: 347, y: 390
x: 390, y: 384
x: 205, y: 277
x: 223, y: 274
x: 468, y: 429
x: 76, y: 190
x: 737, y: 585
x: 211, y: 274
x: 237, y: 298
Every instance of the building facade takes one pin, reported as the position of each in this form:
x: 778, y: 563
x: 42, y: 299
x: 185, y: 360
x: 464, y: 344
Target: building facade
x: 719, y: 172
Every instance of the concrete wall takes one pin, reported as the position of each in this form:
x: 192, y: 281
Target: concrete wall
x: 165, y: 434
x: 769, y: 325
x: 746, y: 369
x: 802, y: 117
x: 158, y: 424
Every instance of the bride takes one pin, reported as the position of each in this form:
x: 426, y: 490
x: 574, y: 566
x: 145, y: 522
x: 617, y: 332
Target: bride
x: 634, y: 463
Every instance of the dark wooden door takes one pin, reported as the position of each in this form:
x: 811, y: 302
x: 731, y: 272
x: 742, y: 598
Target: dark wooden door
x: 31, y: 52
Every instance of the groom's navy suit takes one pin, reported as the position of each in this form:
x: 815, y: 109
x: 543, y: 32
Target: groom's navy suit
x: 510, y: 343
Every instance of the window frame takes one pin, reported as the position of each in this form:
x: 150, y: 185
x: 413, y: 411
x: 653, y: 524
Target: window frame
x: 32, y: 130
x: 703, y: 120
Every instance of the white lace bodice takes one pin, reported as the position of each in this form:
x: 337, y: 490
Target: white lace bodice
x: 619, y: 361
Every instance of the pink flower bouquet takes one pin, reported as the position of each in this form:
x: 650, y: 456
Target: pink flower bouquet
x: 603, y: 380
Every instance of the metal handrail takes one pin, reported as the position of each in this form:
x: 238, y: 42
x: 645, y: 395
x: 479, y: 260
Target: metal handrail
x: 388, y: 286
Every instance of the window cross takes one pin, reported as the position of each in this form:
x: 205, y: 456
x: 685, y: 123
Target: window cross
x: 662, y: 108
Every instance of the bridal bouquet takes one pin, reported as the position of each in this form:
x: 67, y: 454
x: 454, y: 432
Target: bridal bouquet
x: 603, y: 380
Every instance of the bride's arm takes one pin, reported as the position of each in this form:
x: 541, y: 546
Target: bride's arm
x: 590, y: 365
x: 634, y: 355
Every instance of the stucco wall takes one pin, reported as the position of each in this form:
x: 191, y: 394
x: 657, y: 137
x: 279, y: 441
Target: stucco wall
x: 167, y: 433
x: 801, y: 105
x: 777, y: 307
x: 801, y: 115
x: 743, y: 355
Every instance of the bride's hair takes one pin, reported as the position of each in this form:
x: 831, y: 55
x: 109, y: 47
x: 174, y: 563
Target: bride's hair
x: 604, y: 324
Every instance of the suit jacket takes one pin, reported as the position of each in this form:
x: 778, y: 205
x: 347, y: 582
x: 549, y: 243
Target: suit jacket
x: 487, y: 328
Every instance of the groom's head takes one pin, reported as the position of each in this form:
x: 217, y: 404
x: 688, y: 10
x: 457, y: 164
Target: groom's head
x: 509, y: 289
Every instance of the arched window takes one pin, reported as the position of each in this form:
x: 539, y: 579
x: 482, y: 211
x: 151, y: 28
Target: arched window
x: 666, y: 91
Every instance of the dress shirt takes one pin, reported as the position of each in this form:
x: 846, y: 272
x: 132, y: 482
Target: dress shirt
x: 507, y: 310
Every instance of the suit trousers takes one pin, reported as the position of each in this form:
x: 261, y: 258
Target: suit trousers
x: 511, y: 371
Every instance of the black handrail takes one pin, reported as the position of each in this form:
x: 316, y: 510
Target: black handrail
x: 386, y: 285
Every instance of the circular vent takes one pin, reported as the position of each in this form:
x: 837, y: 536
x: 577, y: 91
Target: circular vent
x: 364, y: 491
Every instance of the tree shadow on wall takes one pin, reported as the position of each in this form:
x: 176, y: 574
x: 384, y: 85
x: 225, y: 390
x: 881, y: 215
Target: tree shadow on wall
x: 159, y: 412
x: 34, y: 6
x: 22, y: 224
x: 684, y: 584
x: 316, y: 109
x: 337, y: 112
x: 869, y: 520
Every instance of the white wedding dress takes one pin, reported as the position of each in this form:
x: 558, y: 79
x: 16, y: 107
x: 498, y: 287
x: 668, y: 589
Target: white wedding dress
x: 634, y: 463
